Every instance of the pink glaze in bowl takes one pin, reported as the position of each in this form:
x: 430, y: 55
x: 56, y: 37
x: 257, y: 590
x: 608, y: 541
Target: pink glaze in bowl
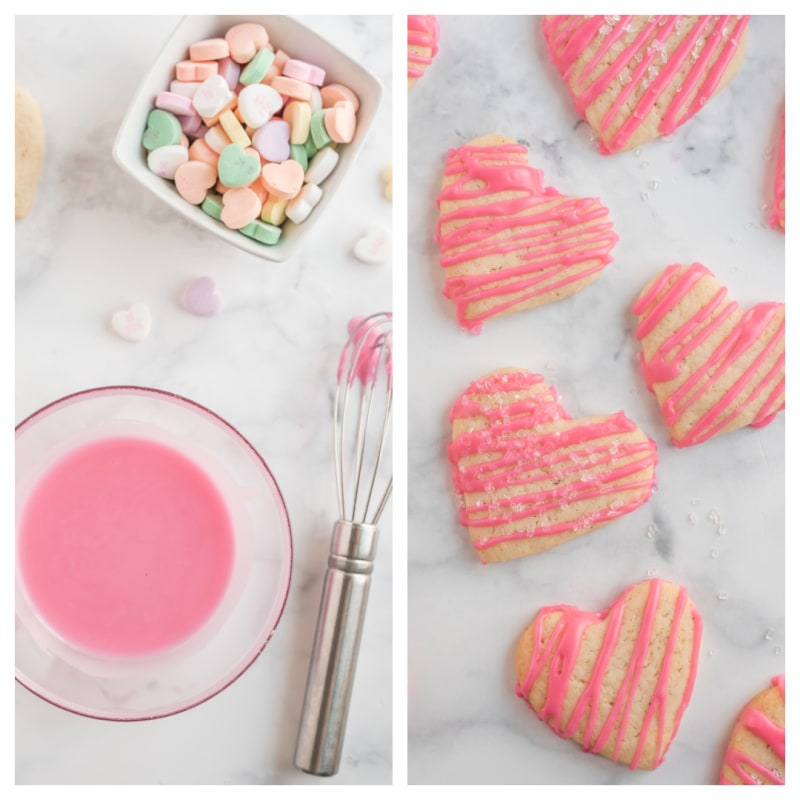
x: 154, y: 553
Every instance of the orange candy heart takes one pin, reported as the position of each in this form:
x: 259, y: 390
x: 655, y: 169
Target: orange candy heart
x: 340, y: 122
x: 283, y: 180
x: 240, y: 207
x: 193, y: 180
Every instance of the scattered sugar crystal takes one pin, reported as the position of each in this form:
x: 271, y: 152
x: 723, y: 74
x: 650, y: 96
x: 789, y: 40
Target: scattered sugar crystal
x: 714, y: 552
x: 652, y: 530
x: 651, y: 573
x: 645, y: 82
x: 702, y: 101
x: 644, y: 197
x: 695, y: 501
x: 644, y: 165
x: 639, y: 57
x: 713, y: 515
x: 721, y: 529
x: 654, y: 185
x: 605, y: 30
x: 625, y: 77
x: 637, y: 152
x: 666, y: 139
x: 610, y: 20
x: 711, y: 652
x: 777, y: 650
x: 722, y: 596
x: 651, y: 18
x: 550, y: 365
x: 692, y: 518
x: 768, y: 634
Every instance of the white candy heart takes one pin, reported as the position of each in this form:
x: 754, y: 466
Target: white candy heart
x: 374, y: 247
x: 163, y: 161
x: 133, y: 323
x: 301, y: 206
x: 212, y: 95
x: 321, y: 165
x: 258, y: 103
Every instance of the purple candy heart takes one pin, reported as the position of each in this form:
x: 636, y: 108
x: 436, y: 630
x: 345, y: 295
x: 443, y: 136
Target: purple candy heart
x: 200, y: 297
x: 272, y: 141
x: 229, y: 70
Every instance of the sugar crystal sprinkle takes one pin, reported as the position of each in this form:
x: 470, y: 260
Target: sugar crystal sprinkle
x: 722, y: 596
x: 768, y: 634
x: 652, y: 530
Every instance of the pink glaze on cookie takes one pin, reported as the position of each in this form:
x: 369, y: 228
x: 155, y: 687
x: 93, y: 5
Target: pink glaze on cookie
x: 561, y: 652
x: 423, y: 31
x: 523, y: 451
x: 661, y: 297
x: 748, y: 769
x: 778, y: 216
x: 543, y: 245
x: 709, y: 45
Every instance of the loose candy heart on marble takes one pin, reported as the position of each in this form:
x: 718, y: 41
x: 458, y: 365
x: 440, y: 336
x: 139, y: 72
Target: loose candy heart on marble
x: 634, y: 78
x: 200, y: 297
x: 162, y: 129
x: 238, y: 167
x: 374, y: 246
x: 507, y: 242
x: 616, y: 682
x: 133, y: 323
x: 386, y: 177
x: 531, y: 477
x: 712, y: 366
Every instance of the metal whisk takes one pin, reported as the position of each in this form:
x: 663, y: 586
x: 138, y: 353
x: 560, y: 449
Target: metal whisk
x: 361, y: 425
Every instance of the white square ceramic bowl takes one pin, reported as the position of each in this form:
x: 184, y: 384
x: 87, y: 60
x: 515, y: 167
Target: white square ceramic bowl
x: 295, y: 39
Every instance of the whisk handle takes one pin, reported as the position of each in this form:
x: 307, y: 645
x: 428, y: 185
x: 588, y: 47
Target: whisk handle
x: 335, y: 651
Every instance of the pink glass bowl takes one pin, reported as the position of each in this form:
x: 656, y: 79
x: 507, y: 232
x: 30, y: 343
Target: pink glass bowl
x: 215, y: 655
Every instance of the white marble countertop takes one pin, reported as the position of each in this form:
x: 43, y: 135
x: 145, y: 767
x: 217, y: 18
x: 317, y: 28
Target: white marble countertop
x: 96, y: 241
x: 713, y: 179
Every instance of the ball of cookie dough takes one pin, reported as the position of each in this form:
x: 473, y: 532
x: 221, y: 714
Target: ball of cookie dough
x: 29, y: 151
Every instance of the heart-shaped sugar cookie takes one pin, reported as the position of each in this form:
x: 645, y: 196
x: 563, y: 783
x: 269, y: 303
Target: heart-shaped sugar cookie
x: 530, y: 477
x: 423, y: 44
x: 756, y: 752
x: 509, y: 243
x: 634, y: 78
x: 617, y: 682
x: 713, y: 367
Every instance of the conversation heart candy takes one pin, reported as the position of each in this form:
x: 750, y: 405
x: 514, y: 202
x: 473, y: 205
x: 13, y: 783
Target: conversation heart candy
x: 374, y: 246
x: 283, y: 180
x: 163, y: 161
x: 301, y: 206
x: 162, y: 129
x: 239, y: 207
x: 201, y: 298
x: 272, y: 140
x: 258, y: 104
x: 340, y: 122
x: 245, y: 40
x: 238, y: 167
x: 303, y: 71
x: 133, y: 323
x: 298, y: 114
x: 257, y: 67
x: 334, y: 93
x: 193, y: 180
x: 321, y: 165
x: 212, y: 96
x: 209, y: 50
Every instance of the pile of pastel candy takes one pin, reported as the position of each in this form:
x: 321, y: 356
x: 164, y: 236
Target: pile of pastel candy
x: 248, y: 133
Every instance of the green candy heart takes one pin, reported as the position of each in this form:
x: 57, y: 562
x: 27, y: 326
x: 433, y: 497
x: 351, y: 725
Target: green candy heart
x: 262, y: 232
x: 299, y: 154
x: 237, y: 168
x: 162, y: 129
x: 258, y: 67
x: 212, y: 205
x: 319, y: 135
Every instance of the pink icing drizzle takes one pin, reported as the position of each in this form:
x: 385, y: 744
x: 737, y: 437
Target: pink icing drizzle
x: 750, y: 771
x: 523, y: 451
x: 666, y: 364
x: 778, y: 216
x: 562, y: 649
x: 709, y: 46
x: 423, y: 31
x: 539, y: 254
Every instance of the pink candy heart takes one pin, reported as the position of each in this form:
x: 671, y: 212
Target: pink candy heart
x: 272, y: 140
x: 283, y: 180
x: 200, y: 297
x: 340, y: 122
x: 193, y: 180
x: 240, y: 207
x: 245, y: 40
